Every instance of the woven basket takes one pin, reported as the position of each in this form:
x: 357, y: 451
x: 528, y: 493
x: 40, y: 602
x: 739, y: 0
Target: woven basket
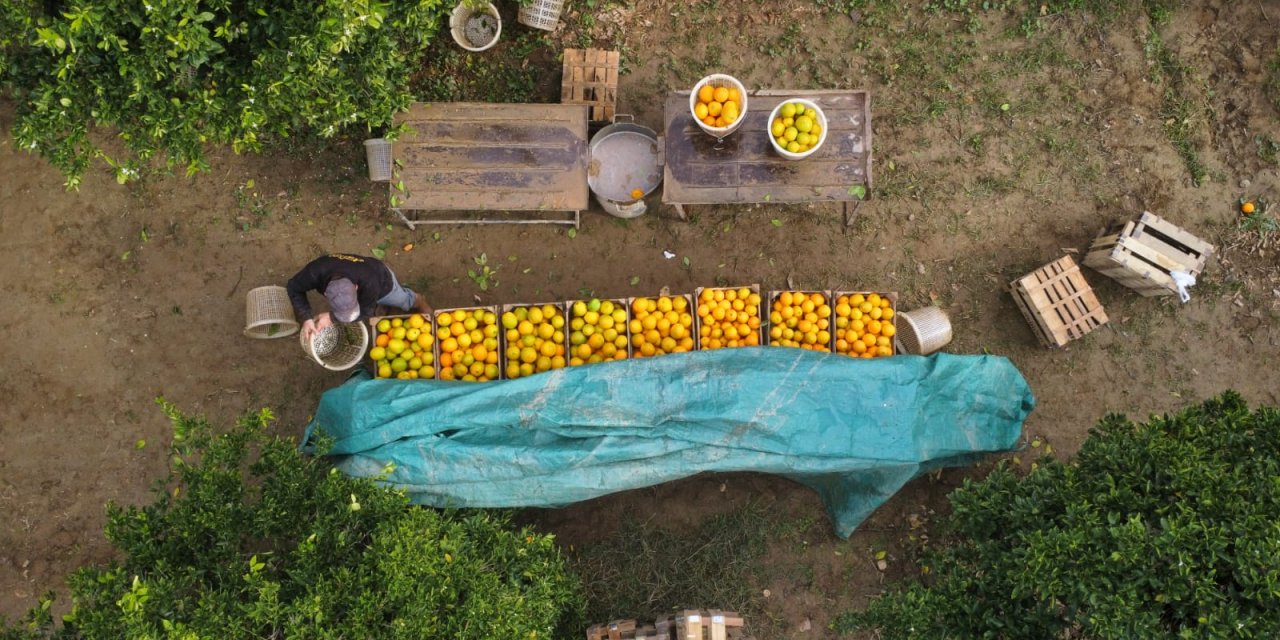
x: 269, y: 314
x: 339, y: 347
x: 542, y: 14
x: 719, y: 80
x: 923, y: 331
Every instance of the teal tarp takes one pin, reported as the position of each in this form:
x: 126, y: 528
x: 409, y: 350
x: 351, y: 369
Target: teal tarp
x: 854, y: 430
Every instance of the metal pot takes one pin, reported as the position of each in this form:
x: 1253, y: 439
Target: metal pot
x: 625, y: 157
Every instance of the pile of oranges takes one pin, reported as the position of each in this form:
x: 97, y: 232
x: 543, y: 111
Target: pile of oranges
x: 718, y: 106
x: 468, y: 344
x: 402, y: 348
x: 801, y: 319
x: 535, y: 340
x: 661, y: 325
x: 598, y: 332
x: 729, y: 318
x: 864, y: 325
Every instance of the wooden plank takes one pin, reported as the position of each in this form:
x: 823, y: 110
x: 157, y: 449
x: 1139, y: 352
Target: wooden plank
x: 1058, y: 303
x: 744, y: 168
x: 481, y: 111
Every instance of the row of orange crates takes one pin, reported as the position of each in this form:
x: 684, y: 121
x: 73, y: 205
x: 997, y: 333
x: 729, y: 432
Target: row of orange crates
x: 517, y: 340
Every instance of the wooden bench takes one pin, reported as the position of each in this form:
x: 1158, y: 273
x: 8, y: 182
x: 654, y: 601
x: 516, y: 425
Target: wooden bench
x: 744, y: 168
x: 530, y: 159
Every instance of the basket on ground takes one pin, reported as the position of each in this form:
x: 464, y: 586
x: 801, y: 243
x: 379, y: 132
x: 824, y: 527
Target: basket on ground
x: 715, y: 81
x: 339, y: 346
x: 819, y: 121
x: 923, y: 331
x: 475, y: 29
x: 268, y: 313
x: 541, y: 14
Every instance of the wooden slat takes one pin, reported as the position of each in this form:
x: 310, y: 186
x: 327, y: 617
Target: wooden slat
x: 744, y: 168
x: 1176, y: 233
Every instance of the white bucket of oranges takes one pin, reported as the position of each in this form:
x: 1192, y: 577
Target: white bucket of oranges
x: 719, y: 104
x: 797, y: 128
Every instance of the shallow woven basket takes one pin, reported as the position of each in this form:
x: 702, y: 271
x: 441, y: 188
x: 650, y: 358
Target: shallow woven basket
x: 339, y: 347
x: 719, y: 80
x: 268, y: 313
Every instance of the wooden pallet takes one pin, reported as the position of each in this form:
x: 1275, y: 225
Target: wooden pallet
x: 1140, y: 254
x: 630, y: 630
x: 1058, y: 302
x: 708, y: 625
x: 591, y: 78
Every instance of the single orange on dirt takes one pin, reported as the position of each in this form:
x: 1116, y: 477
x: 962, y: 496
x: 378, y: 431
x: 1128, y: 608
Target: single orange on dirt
x: 1248, y: 208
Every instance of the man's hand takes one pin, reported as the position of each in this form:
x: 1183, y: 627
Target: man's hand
x: 316, y: 325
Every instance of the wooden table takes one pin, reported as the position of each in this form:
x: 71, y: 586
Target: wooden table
x: 744, y: 168
x: 470, y: 156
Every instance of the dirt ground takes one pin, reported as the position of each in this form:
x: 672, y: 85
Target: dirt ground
x: 994, y: 153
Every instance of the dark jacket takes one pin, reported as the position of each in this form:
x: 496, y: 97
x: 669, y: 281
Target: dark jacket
x: 372, y: 278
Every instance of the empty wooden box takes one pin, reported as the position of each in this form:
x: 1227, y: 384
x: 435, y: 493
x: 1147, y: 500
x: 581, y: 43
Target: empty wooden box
x: 591, y: 78
x: 1140, y: 254
x: 1058, y: 302
x: 708, y: 625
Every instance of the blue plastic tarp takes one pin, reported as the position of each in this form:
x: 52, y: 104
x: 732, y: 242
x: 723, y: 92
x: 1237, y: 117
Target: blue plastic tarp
x: 854, y: 430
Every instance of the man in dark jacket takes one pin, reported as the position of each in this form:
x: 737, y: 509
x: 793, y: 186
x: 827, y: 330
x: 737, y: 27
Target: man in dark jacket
x: 353, y: 285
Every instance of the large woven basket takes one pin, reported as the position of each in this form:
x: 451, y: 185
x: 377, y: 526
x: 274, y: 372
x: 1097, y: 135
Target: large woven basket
x: 268, y: 313
x: 339, y: 347
x: 923, y: 331
x: 542, y: 14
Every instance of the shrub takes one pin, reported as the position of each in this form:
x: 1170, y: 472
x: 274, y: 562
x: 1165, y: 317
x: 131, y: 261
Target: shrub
x: 172, y: 76
x: 248, y: 538
x: 1169, y: 529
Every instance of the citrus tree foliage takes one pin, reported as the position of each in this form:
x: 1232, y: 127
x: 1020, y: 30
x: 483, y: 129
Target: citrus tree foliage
x: 1169, y: 529
x: 248, y: 538
x: 171, y: 76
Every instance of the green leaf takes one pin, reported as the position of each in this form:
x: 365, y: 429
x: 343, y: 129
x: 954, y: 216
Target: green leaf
x: 248, y: 184
x: 635, y: 280
x: 379, y: 253
x: 777, y: 222
x: 573, y: 233
x: 858, y: 191
x: 140, y: 444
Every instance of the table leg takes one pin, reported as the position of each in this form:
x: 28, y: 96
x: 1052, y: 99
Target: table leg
x: 851, y: 213
x: 407, y: 222
x: 680, y: 211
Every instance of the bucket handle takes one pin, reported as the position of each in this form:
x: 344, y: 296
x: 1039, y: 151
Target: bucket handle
x: 630, y: 118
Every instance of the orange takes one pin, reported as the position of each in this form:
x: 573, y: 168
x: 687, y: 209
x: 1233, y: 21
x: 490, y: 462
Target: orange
x: 382, y: 340
x: 707, y: 93
x: 1247, y: 208
x: 721, y: 94
x: 700, y: 110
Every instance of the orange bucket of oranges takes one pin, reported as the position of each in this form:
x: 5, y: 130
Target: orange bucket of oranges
x: 718, y: 103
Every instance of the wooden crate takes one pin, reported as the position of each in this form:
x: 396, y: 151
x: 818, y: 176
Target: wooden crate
x: 591, y: 78
x: 836, y: 295
x: 708, y: 625
x: 631, y: 630
x: 698, y: 323
x: 429, y: 327
x: 1141, y: 253
x: 1058, y: 302
x: 768, y: 303
x: 624, y: 330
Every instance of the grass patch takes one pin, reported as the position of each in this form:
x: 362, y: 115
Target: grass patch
x: 1177, y: 111
x: 646, y: 570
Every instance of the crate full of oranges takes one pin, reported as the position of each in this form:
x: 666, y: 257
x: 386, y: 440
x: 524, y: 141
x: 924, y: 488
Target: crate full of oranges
x: 468, y: 342
x: 662, y: 324
x: 403, y: 347
x: 598, y: 331
x: 864, y: 324
x: 800, y: 319
x: 728, y: 317
x: 535, y: 338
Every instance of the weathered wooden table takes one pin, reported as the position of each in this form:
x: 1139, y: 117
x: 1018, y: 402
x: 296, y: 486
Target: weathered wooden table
x: 480, y: 157
x: 744, y: 168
